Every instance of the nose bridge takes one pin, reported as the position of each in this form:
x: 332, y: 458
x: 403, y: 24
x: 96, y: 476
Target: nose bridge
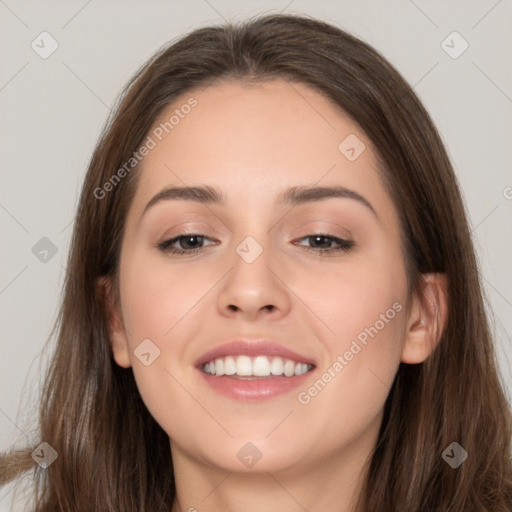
x: 252, y: 284
x: 253, y: 259
x: 252, y: 234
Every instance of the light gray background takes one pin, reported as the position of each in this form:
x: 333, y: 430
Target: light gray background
x: 52, y: 110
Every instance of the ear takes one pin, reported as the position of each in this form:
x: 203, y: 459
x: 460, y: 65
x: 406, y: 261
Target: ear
x: 116, y: 330
x: 427, y: 318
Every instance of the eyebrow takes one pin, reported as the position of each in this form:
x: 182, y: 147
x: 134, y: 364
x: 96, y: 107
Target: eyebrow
x: 291, y: 196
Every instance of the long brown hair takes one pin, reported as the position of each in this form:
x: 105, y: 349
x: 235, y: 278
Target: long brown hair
x: 112, y: 455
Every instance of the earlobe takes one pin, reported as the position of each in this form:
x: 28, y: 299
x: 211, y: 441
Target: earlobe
x: 117, y: 333
x: 427, y: 318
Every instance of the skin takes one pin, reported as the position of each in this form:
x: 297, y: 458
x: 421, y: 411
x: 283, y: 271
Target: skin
x: 251, y: 142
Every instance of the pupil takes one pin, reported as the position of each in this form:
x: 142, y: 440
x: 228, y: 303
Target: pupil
x: 188, y: 239
x: 316, y: 238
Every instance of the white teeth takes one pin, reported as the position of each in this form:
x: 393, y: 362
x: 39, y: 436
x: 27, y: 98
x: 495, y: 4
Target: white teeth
x: 259, y: 366
x: 229, y: 366
x: 301, y: 368
x: 244, y: 366
x: 289, y: 368
x: 277, y: 366
x: 219, y: 367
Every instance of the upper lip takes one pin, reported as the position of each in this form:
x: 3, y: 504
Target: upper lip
x: 252, y: 348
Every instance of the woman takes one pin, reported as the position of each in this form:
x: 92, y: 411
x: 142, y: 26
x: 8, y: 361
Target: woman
x: 272, y: 300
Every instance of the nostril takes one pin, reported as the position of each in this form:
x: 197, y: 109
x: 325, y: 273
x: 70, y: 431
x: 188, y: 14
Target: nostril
x: 269, y: 307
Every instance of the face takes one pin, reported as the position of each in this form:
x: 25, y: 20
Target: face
x: 267, y: 287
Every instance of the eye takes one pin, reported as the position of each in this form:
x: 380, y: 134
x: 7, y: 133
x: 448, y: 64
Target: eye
x: 322, y: 243
x: 188, y: 243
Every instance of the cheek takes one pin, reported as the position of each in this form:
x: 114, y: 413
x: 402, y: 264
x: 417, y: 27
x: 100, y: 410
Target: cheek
x: 363, y: 305
x: 158, y: 304
x: 158, y: 298
x: 349, y: 297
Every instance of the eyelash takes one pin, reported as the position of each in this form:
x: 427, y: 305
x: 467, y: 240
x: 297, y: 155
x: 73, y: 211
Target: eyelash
x: 344, y: 245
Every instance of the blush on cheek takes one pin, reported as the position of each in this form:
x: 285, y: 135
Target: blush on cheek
x: 370, y: 326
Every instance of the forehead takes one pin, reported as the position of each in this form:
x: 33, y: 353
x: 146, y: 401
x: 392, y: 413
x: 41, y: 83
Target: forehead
x: 253, y: 140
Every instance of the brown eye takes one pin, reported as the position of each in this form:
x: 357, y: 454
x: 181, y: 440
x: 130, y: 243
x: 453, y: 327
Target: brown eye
x: 187, y: 244
x: 322, y: 243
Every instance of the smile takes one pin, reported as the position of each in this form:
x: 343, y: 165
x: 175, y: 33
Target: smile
x: 259, y: 366
x: 251, y: 370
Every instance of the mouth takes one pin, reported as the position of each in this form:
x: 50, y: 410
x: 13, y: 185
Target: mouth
x: 253, y: 370
x: 255, y: 367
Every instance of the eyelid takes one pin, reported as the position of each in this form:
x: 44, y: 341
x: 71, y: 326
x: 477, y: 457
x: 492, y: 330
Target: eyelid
x: 192, y: 228
x: 317, y: 226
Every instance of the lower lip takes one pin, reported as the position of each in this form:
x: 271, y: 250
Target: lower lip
x: 260, y: 388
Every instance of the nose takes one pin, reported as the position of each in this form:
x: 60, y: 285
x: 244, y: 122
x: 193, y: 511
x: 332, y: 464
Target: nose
x: 255, y: 289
